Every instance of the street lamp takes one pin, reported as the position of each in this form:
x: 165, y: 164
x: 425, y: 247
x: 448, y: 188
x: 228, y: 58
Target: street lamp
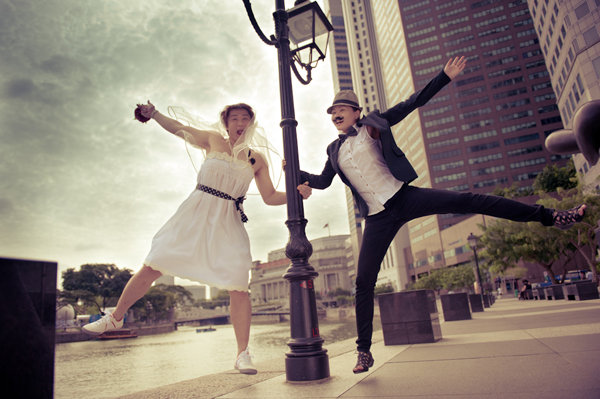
x: 473, y: 240
x: 304, y: 25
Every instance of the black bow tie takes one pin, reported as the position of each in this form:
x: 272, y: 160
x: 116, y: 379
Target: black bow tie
x: 351, y: 132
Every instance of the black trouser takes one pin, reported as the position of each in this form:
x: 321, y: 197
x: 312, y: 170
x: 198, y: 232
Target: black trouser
x: 411, y: 203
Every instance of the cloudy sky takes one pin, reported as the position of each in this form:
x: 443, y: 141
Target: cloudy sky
x: 80, y: 180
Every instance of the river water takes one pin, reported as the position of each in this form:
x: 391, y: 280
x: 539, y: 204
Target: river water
x: 106, y: 369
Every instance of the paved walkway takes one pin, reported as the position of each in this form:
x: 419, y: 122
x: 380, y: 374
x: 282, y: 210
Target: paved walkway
x: 515, y: 349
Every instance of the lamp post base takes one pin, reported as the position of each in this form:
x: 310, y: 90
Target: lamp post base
x: 306, y: 368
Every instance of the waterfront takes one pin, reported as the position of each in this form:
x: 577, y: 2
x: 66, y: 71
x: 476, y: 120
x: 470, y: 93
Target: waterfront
x: 106, y: 369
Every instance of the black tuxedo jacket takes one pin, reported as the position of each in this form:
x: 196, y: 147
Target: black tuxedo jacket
x: 395, y: 159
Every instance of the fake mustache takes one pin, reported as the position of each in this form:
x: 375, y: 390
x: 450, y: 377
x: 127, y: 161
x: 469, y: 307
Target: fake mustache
x: 338, y: 119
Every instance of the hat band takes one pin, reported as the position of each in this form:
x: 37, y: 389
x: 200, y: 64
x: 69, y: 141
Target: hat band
x: 345, y: 102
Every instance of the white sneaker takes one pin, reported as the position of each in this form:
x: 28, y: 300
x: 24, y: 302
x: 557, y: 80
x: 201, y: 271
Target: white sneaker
x: 106, y: 323
x: 244, y: 363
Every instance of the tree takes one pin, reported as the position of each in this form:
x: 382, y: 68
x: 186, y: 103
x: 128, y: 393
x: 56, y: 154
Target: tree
x: 95, y: 284
x: 181, y: 294
x: 507, y: 242
x: 221, y: 299
x: 383, y: 289
x: 448, y: 278
x: 553, y: 177
x: 580, y: 237
x: 513, y: 191
x: 338, y: 292
x: 160, y: 301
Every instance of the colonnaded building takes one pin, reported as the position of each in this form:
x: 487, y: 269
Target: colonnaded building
x: 331, y: 258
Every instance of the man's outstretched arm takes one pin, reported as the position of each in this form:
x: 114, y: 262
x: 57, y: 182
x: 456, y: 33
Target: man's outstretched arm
x: 398, y: 112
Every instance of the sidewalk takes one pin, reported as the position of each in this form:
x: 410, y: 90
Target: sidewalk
x: 515, y: 349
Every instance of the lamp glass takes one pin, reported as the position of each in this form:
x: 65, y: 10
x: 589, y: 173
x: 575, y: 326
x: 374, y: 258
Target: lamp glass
x: 301, y: 21
x: 472, y: 239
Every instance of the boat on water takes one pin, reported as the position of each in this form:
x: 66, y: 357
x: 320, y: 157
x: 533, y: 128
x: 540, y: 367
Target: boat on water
x: 117, y: 334
x: 205, y: 329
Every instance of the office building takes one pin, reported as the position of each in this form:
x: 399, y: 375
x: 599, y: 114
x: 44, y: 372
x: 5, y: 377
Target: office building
x: 355, y: 66
x: 485, y: 130
x: 570, y: 41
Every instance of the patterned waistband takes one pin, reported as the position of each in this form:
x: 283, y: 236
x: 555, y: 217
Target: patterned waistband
x: 220, y: 194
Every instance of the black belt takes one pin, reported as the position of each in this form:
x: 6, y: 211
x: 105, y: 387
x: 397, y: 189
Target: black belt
x: 220, y: 194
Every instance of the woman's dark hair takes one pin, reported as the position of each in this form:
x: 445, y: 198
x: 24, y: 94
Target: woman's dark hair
x: 229, y: 108
x: 138, y: 114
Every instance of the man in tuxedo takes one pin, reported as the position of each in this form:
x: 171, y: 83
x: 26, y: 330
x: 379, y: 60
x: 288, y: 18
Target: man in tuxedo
x: 367, y: 159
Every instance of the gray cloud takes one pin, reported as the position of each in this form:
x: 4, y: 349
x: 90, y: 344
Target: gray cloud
x: 81, y: 181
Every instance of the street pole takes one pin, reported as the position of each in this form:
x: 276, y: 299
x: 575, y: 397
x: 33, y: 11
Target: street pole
x: 472, y: 240
x: 307, y: 360
x: 478, y: 273
x: 594, y: 270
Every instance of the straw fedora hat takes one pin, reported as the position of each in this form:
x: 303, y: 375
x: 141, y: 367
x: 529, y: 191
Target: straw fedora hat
x: 345, y: 97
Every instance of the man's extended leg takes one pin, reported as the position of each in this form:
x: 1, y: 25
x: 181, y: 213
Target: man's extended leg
x: 418, y: 202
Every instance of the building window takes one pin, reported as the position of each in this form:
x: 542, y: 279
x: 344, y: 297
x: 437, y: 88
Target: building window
x: 450, y: 165
x: 527, y: 162
x: 516, y: 115
x: 484, y: 158
x: 523, y: 151
x: 487, y: 171
x: 493, y: 182
x: 521, y: 139
x: 590, y: 36
x: 477, y: 136
x: 483, y: 147
x: 550, y: 108
x: 582, y: 10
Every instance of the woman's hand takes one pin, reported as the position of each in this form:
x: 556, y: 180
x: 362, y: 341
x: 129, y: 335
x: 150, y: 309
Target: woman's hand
x: 305, y: 190
x: 454, y: 66
x: 147, y: 110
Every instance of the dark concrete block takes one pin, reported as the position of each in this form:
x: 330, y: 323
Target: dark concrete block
x: 538, y: 293
x: 27, y: 316
x: 486, y: 300
x: 554, y: 292
x: 409, y: 317
x: 581, y: 291
x: 456, y: 306
x: 476, y: 302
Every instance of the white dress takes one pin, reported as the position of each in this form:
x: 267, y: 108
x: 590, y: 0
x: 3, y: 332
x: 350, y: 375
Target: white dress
x: 205, y: 240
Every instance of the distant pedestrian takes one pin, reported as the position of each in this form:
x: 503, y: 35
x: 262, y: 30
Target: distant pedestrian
x: 525, y: 290
x: 205, y: 240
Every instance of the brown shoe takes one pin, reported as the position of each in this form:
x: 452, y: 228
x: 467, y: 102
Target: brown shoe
x: 365, y: 360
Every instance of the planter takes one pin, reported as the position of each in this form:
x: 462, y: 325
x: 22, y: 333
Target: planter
x: 456, y: 306
x: 554, y: 292
x: 476, y: 302
x: 581, y: 291
x: 409, y: 317
x: 28, y: 319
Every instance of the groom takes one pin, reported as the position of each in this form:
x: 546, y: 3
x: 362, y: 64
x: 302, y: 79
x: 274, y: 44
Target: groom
x: 367, y: 159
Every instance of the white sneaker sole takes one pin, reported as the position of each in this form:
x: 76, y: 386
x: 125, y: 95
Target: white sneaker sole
x: 92, y: 333
x: 248, y: 371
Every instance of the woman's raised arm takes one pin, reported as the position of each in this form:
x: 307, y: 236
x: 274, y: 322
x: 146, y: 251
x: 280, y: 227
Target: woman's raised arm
x: 200, y: 138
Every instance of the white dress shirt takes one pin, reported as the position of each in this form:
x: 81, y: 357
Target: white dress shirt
x: 360, y: 158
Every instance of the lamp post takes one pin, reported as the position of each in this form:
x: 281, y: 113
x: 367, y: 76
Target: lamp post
x: 473, y: 240
x: 304, y: 25
x: 597, y: 235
